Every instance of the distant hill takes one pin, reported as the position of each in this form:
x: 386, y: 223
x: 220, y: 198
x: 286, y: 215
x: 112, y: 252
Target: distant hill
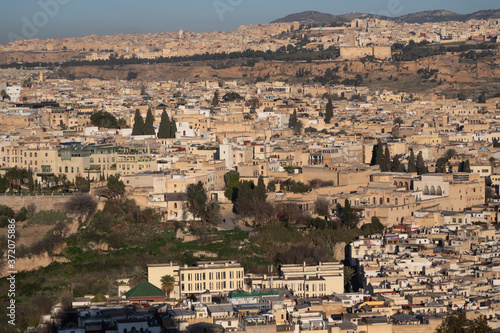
x: 313, y: 17
x: 445, y: 16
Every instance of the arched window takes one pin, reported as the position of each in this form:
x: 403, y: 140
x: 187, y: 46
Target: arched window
x: 433, y: 190
x: 439, y: 191
x: 66, y: 169
x: 396, y: 201
x: 175, y: 205
x: 426, y: 190
x: 381, y: 201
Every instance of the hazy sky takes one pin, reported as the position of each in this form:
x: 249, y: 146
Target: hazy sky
x: 22, y: 19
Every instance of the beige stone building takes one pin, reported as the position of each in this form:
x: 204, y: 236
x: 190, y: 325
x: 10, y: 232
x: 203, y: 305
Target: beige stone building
x: 220, y: 277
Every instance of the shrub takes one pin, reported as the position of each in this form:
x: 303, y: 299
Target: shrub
x: 6, y: 211
x: 49, y: 217
x: 21, y: 215
x: 99, y: 298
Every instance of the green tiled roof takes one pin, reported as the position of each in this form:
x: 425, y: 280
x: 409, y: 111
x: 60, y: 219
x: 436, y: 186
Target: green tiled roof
x: 145, y: 290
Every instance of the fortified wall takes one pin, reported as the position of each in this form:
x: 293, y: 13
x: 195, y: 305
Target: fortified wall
x: 379, y: 52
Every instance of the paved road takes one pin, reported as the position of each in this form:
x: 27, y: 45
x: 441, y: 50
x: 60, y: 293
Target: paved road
x: 229, y: 222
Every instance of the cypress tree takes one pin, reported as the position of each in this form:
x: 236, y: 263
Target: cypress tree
x: 243, y: 204
x: 173, y: 128
x: 149, y: 128
x: 138, y: 128
x: 467, y: 166
x: 374, y: 155
x: 293, y: 119
x: 164, y: 129
x: 215, y: 100
x: 387, y: 160
x: 441, y: 164
x: 412, y: 165
x: 348, y: 216
x: 379, y: 158
x: 396, y: 165
x: 421, y: 168
x: 261, y: 190
x: 329, y: 111
x: 31, y: 185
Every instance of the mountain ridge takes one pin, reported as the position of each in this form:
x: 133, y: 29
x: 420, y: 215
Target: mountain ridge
x: 432, y: 16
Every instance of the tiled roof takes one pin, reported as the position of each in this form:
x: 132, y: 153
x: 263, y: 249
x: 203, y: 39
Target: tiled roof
x: 145, y: 290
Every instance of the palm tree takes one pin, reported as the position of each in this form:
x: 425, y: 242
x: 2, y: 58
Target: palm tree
x: 18, y: 176
x: 109, y: 283
x: 450, y: 153
x: 63, y: 179
x: 348, y: 275
x: 137, y: 276
x: 167, y: 284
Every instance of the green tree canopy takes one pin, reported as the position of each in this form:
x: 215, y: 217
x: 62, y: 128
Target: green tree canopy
x: 421, y: 167
x: 149, y: 128
x: 173, y: 128
x: 165, y: 126
x: 260, y: 190
x: 231, y: 97
x: 348, y: 216
x: 329, y: 111
x: 115, y: 184
x: 138, y: 128
x: 232, y: 180
x: 103, y: 119
x: 387, y: 163
x: 396, y: 165
x: 457, y: 322
x: 412, y: 164
x: 215, y: 99
x: 197, y: 199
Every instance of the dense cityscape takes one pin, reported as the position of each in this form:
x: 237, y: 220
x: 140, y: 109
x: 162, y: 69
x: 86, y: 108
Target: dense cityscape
x: 290, y: 176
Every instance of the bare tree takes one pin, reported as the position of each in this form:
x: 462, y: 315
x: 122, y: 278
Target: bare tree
x: 321, y: 207
x: 31, y: 209
x: 81, y: 204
